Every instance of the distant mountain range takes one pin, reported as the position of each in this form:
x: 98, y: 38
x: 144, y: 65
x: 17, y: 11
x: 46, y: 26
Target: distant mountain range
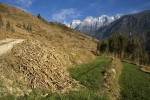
x: 133, y: 25
x: 137, y: 25
x: 130, y: 24
x: 91, y: 24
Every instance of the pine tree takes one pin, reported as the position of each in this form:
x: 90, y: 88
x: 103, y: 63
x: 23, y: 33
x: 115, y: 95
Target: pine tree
x: 113, y: 44
x: 124, y: 47
x: 103, y: 47
x: 39, y: 16
x: 123, y: 41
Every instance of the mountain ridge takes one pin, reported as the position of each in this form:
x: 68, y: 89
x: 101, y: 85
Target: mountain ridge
x: 133, y: 25
x: 91, y: 24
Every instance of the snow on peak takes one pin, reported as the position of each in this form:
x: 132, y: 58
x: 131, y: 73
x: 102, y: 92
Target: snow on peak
x: 67, y: 24
x: 90, y: 24
x: 75, y: 23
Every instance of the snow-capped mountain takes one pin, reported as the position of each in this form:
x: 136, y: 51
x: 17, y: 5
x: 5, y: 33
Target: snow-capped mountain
x: 67, y: 24
x: 91, y: 24
x: 75, y: 23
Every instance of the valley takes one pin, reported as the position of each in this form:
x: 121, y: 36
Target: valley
x: 42, y: 60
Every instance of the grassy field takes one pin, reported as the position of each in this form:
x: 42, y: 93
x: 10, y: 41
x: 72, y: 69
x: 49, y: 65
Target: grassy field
x: 90, y: 75
x: 135, y: 84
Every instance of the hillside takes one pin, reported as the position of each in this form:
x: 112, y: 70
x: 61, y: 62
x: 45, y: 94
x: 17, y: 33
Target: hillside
x: 41, y: 60
x: 133, y: 25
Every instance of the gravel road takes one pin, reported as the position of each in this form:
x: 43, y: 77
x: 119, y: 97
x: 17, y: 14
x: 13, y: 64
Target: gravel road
x: 7, y: 44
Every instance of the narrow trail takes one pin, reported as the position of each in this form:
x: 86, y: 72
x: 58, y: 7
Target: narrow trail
x: 111, y: 80
x: 7, y: 44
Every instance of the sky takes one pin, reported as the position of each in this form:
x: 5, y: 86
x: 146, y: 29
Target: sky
x: 67, y: 10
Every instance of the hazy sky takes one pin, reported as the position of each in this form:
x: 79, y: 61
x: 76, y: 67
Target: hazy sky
x: 67, y: 10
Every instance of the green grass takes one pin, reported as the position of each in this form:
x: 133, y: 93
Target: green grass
x: 90, y: 75
x: 135, y: 84
x: 71, y: 95
x: 75, y: 95
x: 8, y: 97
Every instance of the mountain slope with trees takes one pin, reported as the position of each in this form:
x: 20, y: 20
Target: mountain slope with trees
x: 133, y: 25
x: 124, y: 47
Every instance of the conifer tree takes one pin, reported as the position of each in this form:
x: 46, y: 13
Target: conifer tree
x: 103, y: 47
x: 123, y: 41
x: 124, y: 47
x: 39, y: 16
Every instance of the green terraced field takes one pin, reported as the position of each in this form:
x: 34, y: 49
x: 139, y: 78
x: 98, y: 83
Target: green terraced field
x: 135, y: 84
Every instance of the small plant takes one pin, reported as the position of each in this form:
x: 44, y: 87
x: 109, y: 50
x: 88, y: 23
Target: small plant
x: 24, y: 26
x: 19, y: 25
x: 29, y: 28
x: 8, y: 26
x: 1, y: 21
x: 41, y: 18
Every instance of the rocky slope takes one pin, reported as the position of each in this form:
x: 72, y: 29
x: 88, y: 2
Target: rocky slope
x: 41, y: 61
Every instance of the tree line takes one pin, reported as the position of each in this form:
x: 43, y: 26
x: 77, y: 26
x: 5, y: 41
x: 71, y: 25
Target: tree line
x: 124, y: 47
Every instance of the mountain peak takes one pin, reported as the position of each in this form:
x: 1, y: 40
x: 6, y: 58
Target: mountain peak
x: 67, y: 24
x: 90, y: 24
x: 76, y: 21
x: 103, y: 16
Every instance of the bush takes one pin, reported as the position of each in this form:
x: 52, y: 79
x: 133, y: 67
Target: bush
x: 1, y: 21
x: 9, y: 27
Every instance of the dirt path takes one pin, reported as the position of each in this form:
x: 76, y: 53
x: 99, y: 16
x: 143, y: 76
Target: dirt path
x: 7, y: 44
x: 111, y: 79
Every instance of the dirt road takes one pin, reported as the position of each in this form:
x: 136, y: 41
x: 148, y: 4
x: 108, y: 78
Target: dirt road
x: 7, y: 44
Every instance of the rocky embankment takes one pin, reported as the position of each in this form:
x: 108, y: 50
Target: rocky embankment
x: 43, y: 66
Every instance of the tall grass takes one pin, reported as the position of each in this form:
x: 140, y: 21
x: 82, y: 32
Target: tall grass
x: 135, y: 84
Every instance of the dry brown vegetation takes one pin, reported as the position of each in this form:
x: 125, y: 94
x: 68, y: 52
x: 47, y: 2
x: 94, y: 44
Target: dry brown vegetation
x: 41, y: 60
